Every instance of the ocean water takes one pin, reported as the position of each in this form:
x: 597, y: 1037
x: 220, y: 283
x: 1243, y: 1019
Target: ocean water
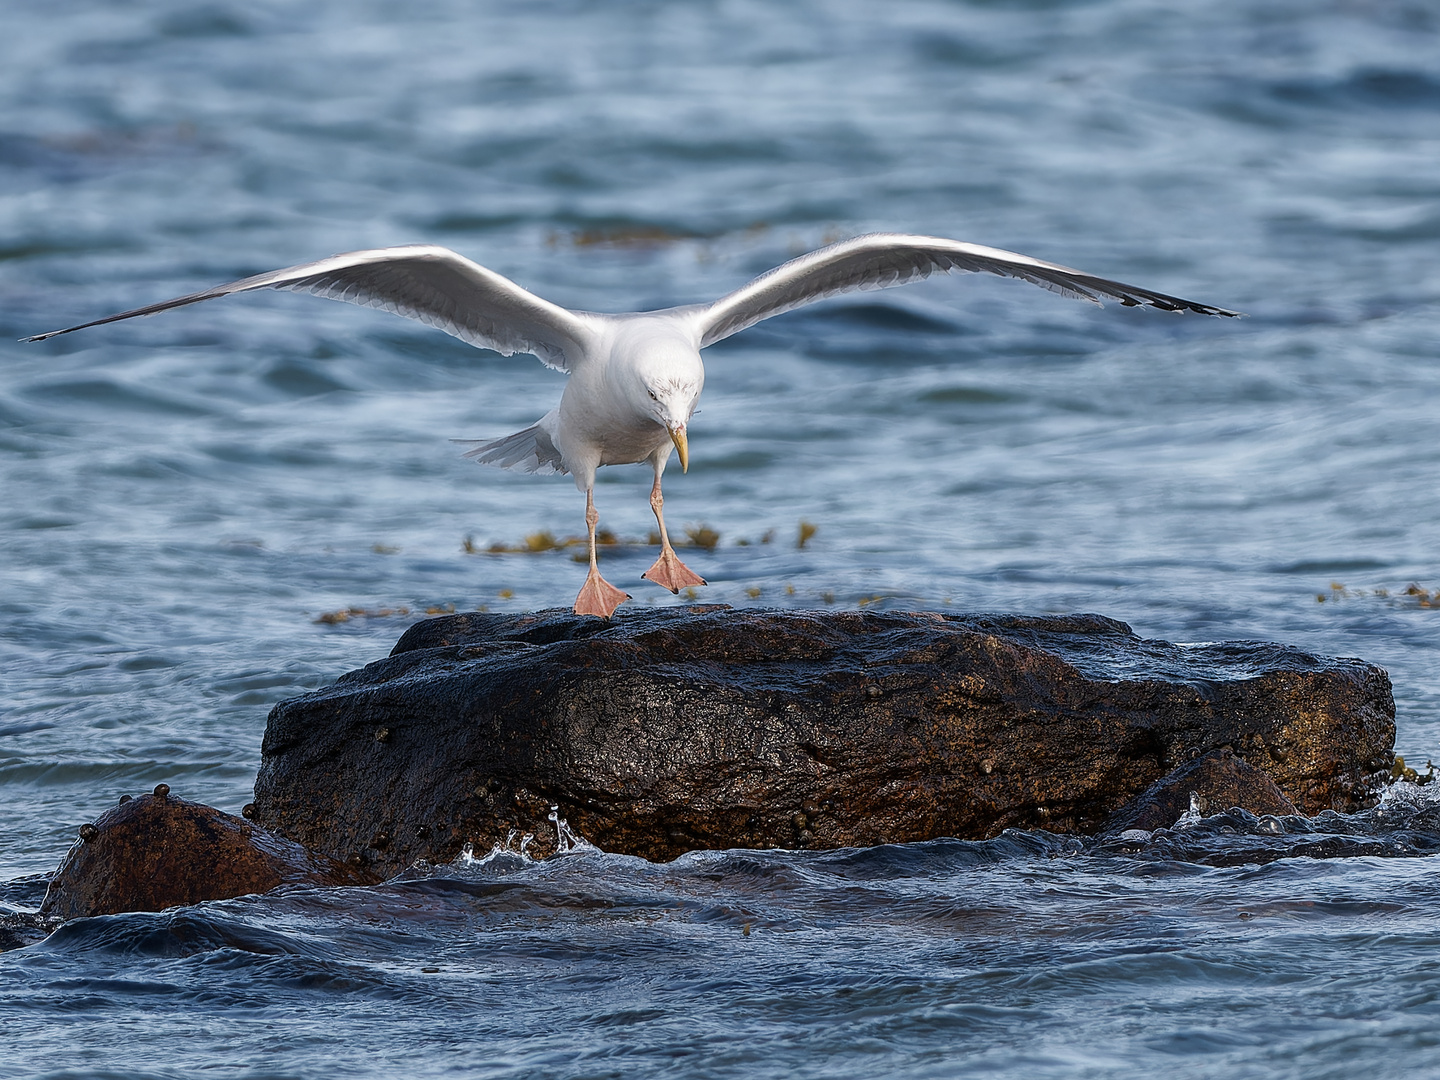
x: 182, y: 499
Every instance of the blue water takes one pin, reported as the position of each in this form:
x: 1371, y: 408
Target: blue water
x: 181, y: 498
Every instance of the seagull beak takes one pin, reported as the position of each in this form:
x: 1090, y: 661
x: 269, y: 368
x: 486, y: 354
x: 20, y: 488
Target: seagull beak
x: 677, y: 436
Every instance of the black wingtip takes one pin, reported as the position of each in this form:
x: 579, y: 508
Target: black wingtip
x: 1181, y: 307
x: 43, y: 337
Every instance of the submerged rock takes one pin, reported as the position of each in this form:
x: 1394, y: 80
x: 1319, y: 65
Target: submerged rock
x: 674, y: 729
x: 1404, y: 825
x: 159, y: 851
x: 19, y: 929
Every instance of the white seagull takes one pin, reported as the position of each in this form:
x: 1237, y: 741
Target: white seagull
x: 634, y: 378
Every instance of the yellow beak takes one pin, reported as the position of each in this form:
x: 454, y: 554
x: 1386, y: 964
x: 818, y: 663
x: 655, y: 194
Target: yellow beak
x: 677, y: 436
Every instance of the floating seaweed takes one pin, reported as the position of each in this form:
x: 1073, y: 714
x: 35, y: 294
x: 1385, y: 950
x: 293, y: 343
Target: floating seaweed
x: 538, y: 542
x: 696, y: 537
x: 1423, y: 598
x: 625, y: 236
x: 344, y: 615
x: 638, y: 236
x: 702, y: 536
x: 1413, y: 595
x: 1401, y: 771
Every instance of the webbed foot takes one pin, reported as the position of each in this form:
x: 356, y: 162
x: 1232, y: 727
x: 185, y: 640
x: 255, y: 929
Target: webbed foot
x: 598, y: 597
x: 670, y: 573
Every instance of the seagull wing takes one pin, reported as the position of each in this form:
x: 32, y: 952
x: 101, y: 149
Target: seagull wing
x: 883, y: 260
x: 424, y: 282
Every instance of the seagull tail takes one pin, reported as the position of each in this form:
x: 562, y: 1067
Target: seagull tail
x: 530, y: 451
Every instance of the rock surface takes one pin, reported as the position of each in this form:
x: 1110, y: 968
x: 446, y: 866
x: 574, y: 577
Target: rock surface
x: 1217, y: 782
x: 674, y: 729
x: 158, y: 851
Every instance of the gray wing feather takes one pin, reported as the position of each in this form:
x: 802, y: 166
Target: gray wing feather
x: 884, y: 260
x: 431, y: 284
x: 531, y: 451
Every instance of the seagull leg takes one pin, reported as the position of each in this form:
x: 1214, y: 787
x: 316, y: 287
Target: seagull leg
x: 668, y: 572
x: 597, y: 596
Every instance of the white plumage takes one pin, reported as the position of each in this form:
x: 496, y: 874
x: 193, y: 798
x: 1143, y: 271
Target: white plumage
x: 634, y: 378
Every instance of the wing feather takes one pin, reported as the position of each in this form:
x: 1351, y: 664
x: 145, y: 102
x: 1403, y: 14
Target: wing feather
x: 884, y: 260
x: 421, y: 281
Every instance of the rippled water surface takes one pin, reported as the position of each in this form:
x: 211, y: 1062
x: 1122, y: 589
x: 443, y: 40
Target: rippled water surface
x: 182, y: 498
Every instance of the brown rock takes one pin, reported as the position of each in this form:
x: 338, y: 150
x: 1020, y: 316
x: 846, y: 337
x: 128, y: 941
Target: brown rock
x: 673, y: 729
x: 159, y: 851
x: 1219, y: 781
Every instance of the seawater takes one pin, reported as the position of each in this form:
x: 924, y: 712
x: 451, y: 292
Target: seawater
x: 181, y: 499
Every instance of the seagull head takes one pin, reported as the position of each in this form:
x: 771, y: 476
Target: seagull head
x: 670, y: 381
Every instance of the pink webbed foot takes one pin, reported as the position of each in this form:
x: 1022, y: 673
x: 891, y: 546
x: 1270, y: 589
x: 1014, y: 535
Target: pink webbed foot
x: 598, y: 597
x: 670, y: 573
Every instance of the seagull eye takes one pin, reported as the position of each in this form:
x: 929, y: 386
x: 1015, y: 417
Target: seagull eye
x: 652, y: 395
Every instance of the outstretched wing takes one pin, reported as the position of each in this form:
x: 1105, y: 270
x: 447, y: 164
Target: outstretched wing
x: 883, y: 260
x: 424, y: 282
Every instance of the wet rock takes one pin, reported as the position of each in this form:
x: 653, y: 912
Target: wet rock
x: 19, y: 929
x: 674, y: 729
x: 159, y: 851
x: 21, y: 923
x: 1217, y: 781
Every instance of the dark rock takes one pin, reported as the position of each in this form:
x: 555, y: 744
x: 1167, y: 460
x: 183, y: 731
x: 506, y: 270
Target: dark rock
x: 21, y: 928
x: 1218, y: 781
x: 673, y: 729
x: 159, y: 851
x: 14, y: 937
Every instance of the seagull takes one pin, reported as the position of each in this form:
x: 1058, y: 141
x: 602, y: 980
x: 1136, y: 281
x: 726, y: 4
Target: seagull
x: 634, y: 379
